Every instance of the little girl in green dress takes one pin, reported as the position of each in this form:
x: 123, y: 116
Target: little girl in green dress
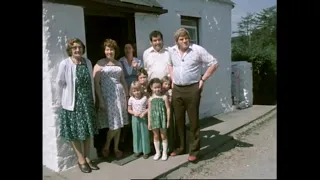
x: 158, y: 117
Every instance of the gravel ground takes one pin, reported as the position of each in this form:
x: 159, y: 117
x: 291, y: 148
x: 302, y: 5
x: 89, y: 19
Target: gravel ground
x: 253, y: 155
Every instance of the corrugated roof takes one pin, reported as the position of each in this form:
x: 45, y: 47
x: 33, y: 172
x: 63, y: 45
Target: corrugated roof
x: 151, y: 3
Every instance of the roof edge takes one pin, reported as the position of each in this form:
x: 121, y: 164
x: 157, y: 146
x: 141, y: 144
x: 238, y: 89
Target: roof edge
x: 225, y: 2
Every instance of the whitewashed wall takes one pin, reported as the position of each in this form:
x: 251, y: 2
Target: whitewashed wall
x: 144, y: 23
x: 215, y: 36
x: 60, y: 22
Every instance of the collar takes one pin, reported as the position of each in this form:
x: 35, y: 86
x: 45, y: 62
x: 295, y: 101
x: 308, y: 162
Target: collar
x: 161, y: 50
x: 124, y: 59
x: 175, y: 47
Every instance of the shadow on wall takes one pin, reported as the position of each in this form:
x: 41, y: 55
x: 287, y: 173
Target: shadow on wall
x: 218, y: 91
x: 216, y: 98
x: 55, y: 45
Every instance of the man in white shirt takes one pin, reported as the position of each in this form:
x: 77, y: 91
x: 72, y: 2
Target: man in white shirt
x: 156, y: 57
x: 185, y: 64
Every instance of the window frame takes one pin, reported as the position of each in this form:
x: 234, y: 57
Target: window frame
x: 196, y: 27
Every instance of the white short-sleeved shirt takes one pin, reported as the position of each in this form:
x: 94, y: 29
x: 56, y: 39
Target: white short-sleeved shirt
x: 187, y: 68
x: 138, y: 105
x: 156, y: 63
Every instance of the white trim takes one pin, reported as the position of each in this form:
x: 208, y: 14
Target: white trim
x: 189, y: 13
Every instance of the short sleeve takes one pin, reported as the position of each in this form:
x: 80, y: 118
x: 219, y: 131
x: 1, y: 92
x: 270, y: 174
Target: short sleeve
x: 144, y: 60
x: 130, y: 101
x: 170, y: 59
x: 206, y: 58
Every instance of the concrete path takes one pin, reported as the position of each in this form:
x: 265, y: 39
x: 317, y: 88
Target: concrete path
x: 214, y: 133
x: 251, y: 155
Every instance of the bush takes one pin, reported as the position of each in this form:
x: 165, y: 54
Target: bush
x: 263, y: 69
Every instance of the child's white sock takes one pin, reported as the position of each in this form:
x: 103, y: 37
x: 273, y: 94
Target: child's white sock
x: 157, y: 148
x: 164, y: 150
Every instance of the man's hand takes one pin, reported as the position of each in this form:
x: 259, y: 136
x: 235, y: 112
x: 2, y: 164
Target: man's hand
x: 201, y: 84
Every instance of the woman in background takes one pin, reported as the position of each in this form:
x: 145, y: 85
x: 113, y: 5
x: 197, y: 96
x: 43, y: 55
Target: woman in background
x: 130, y: 66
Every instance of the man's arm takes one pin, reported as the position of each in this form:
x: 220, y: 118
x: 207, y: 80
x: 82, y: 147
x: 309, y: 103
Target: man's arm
x: 170, y: 68
x: 211, y: 61
x: 144, y: 60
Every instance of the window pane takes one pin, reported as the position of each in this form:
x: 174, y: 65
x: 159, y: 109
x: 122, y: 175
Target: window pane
x: 189, y: 22
x: 192, y: 32
x: 194, y: 42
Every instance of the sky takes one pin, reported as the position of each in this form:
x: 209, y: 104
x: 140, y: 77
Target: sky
x: 243, y: 6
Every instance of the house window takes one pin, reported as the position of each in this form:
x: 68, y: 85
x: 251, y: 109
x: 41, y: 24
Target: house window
x: 192, y: 25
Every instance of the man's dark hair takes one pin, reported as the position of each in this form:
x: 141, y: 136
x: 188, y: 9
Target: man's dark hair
x: 155, y: 34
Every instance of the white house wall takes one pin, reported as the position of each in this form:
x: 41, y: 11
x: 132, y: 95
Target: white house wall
x: 215, y: 36
x: 60, y: 22
x: 144, y: 23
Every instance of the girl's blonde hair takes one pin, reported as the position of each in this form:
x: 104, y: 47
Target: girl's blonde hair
x: 135, y: 85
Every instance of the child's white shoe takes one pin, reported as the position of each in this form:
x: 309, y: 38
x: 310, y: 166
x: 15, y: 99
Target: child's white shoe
x: 156, y: 157
x: 164, y: 157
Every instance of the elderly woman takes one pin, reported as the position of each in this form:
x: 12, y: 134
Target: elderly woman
x: 75, y: 90
x: 111, y: 90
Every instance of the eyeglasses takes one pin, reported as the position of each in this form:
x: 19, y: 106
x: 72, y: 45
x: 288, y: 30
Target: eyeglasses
x: 76, y: 47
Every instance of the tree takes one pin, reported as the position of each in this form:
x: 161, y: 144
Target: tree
x: 246, y: 26
x: 256, y: 43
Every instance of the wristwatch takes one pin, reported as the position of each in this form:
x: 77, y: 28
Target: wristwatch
x: 202, y: 80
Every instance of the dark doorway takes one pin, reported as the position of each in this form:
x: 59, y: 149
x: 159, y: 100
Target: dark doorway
x: 99, y: 28
x: 120, y: 28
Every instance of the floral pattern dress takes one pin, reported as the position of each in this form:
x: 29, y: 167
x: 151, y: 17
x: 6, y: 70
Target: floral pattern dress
x: 80, y: 123
x: 116, y: 115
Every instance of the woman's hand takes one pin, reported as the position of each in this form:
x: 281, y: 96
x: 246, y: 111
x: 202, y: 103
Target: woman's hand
x: 134, y: 64
x: 142, y: 115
